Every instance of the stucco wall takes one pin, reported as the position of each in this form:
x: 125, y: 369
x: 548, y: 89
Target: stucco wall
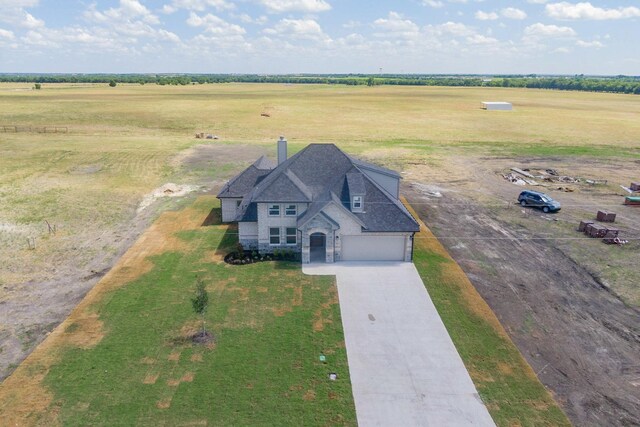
x: 248, y: 234
x: 229, y: 209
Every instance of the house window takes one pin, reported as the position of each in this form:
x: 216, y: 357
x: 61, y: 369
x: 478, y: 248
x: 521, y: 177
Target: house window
x: 274, y: 210
x: 357, y: 202
x: 292, y: 236
x: 274, y: 235
x: 290, y: 210
x: 238, y: 203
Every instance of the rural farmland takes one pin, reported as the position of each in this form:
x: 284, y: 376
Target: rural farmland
x: 73, y: 200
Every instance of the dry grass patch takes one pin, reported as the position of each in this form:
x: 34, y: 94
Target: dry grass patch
x: 150, y: 379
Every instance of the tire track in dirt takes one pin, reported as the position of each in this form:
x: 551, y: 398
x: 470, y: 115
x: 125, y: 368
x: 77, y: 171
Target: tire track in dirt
x: 582, y: 341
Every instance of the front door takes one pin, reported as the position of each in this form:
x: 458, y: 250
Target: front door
x: 318, y: 247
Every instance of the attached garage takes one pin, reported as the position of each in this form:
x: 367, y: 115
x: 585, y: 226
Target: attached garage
x: 373, y: 248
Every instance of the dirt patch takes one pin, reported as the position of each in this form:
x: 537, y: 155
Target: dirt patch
x: 478, y: 376
x: 150, y: 379
x: 320, y: 317
x: 296, y: 300
x: 205, y: 156
x: 187, y: 377
x: 504, y: 368
x: 86, y: 169
x: 216, y: 256
x: 173, y: 382
x: 203, y: 337
x: 580, y: 339
x: 309, y: 395
x: 167, y: 190
x: 164, y: 403
x: 174, y: 356
x: 196, y: 357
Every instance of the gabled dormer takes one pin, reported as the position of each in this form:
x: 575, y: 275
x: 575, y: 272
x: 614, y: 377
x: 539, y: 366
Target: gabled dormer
x: 357, y: 192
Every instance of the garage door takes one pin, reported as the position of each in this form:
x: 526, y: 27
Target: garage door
x: 373, y: 248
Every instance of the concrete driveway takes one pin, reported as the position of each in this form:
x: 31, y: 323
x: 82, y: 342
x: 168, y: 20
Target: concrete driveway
x: 404, y: 368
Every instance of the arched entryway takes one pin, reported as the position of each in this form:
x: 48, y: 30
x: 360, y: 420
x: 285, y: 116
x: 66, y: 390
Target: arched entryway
x: 318, y: 247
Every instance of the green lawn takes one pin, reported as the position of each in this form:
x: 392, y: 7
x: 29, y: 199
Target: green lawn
x: 270, y: 321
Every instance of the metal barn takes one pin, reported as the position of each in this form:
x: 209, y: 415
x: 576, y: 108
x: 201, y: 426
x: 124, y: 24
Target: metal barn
x: 500, y: 106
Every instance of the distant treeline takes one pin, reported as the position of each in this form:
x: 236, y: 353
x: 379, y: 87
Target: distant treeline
x: 617, y: 84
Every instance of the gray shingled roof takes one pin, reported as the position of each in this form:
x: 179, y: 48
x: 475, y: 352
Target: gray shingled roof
x: 366, y: 165
x: 381, y: 211
x: 317, y: 172
x: 246, y: 180
x: 355, y: 183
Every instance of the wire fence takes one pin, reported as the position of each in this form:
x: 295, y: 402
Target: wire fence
x: 33, y: 129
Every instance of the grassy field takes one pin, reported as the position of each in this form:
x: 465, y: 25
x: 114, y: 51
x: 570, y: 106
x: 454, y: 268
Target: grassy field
x: 125, y: 357
x: 121, y: 141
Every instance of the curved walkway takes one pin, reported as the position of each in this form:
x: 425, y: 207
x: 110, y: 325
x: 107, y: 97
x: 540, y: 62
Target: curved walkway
x: 404, y: 368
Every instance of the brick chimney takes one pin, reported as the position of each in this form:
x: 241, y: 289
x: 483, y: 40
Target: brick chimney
x: 282, y: 150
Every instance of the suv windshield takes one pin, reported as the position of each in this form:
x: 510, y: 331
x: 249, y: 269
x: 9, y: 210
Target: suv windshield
x: 546, y: 199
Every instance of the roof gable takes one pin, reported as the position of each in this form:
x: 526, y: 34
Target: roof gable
x: 284, y: 187
x: 241, y: 184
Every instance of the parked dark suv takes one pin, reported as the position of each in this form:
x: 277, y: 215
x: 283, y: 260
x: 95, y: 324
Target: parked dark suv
x: 538, y: 200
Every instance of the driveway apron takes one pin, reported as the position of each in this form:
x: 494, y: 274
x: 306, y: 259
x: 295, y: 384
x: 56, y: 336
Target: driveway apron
x: 404, y: 368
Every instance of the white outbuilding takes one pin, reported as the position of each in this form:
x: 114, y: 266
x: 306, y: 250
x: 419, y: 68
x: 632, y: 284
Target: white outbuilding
x: 501, y: 106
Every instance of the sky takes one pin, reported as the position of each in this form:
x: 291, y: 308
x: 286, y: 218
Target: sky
x: 320, y: 36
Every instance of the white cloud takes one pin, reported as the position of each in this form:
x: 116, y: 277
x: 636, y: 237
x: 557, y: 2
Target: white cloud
x: 309, y: 6
x: 513, y: 13
x: 197, y: 5
x: 537, y: 1
x: 540, y: 30
x: 570, y: 11
x: 433, y: 3
x: 14, y: 13
x: 307, y: 29
x: 451, y: 28
x: 595, y: 43
x: 394, y: 25
x: 480, y: 39
x: 17, y: 4
x: 247, y: 19
x: 6, y: 34
x: 128, y: 11
x: 352, y: 24
x: 486, y: 16
x: 214, y: 25
x: 29, y: 21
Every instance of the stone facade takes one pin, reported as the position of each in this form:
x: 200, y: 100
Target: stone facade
x: 281, y: 221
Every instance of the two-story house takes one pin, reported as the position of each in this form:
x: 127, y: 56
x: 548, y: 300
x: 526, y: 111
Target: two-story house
x: 323, y: 203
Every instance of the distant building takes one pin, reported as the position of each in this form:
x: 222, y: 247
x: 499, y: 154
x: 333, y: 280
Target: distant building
x: 501, y: 106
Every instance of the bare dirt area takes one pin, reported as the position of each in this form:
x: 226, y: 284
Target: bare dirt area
x: 30, y: 310
x: 568, y: 302
x: 34, y: 300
